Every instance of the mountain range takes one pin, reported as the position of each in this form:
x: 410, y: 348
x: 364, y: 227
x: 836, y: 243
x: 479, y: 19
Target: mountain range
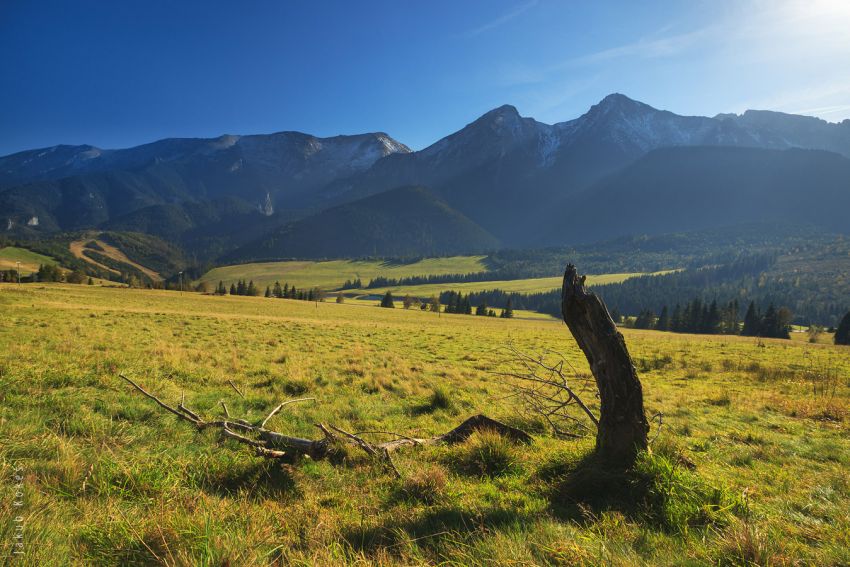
x: 504, y: 180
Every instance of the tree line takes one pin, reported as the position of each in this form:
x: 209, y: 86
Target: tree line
x: 286, y: 291
x: 356, y: 283
x: 9, y: 276
x: 45, y: 273
x: 812, y: 298
x: 410, y: 302
x: 700, y: 317
x: 53, y: 273
x: 381, y: 281
x: 455, y: 302
x: 743, y: 279
x: 499, y: 299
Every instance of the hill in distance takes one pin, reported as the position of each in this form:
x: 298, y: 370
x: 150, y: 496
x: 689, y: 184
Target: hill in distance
x: 103, y: 254
x: 403, y: 222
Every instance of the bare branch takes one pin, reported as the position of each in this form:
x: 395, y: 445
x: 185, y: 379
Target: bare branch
x: 162, y: 404
x: 282, y: 404
x: 359, y: 441
x: 390, y: 464
x: 232, y: 385
x: 394, y: 434
x: 189, y: 412
x: 545, y: 387
x: 241, y: 438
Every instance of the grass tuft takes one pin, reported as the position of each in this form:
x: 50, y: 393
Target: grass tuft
x: 440, y: 398
x: 745, y: 544
x: 485, y: 454
x: 426, y: 485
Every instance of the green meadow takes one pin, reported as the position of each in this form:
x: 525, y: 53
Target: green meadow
x: 332, y: 274
x: 748, y: 467
x: 10, y: 256
x: 530, y: 285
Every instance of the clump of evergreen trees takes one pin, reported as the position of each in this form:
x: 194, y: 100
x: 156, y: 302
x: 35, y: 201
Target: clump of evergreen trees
x: 241, y: 287
x: 49, y: 273
x: 500, y: 299
x: 774, y: 322
x: 456, y: 302
x: 387, y: 301
x: 450, y: 302
x: 277, y: 291
x: 508, y: 311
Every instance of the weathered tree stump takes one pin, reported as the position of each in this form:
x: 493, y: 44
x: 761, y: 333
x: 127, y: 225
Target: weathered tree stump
x: 623, y: 428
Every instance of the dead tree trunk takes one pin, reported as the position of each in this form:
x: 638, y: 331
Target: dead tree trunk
x: 623, y: 427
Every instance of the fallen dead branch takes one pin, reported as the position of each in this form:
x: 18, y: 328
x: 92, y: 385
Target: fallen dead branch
x: 237, y: 390
x: 275, y: 445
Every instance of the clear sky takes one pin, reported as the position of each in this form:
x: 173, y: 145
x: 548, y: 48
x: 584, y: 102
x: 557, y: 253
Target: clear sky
x: 125, y: 72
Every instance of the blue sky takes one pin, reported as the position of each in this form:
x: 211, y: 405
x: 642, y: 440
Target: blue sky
x: 116, y: 74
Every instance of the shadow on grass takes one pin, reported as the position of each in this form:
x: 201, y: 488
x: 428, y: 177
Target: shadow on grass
x: 398, y: 262
x: 429, y: 528
x: 440, y: 399
x: 656, y: 490
x: 257, y: 479
x: 577, y: 487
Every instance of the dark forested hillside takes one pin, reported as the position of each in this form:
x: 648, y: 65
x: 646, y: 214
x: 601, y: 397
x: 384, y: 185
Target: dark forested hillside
x: 653, y: 253
x: 404, y: 222
x: 677, y: 189
x: 800, y: 268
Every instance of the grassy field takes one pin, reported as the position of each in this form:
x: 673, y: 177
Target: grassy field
x: 30, y: 261
x: 332, y: 274
x: 749, y: 468
x: 531, y: 285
